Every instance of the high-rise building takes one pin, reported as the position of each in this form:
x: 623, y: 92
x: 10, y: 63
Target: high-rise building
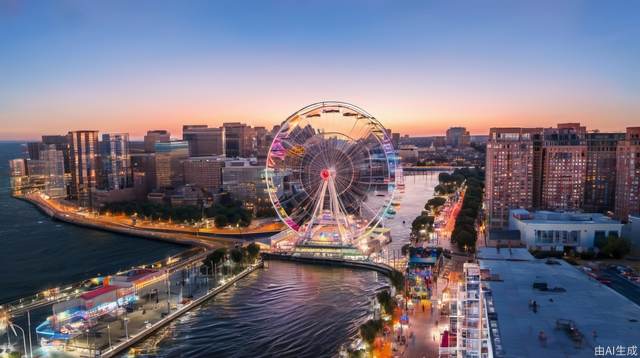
x: 600, y: 181
x: 116, y: 161
x: 239, y: 140
x: 204, y: 141
x: 204, y: 172
x: 571, y: 170
x: 263, y: 142
x: 33, y: 149
x: 245, y: 181
x: 37, y: 174
x: 458, y: 137
x: 18, y: 176
x: 169, y: 157
x: 83, y: 152
x: 395, y: 140
x: 55, y: 185
x: 628, y: 175
x: 153, y: 137
x: 61, y: 142
x: 510, y: 177
x: 143, y: 166
x: 564, y: 167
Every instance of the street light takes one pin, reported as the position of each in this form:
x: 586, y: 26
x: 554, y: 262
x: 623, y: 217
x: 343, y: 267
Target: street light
x: 24, y: 337
x: 126, y: 327
x: 88, y: 349
x: 109, y: 332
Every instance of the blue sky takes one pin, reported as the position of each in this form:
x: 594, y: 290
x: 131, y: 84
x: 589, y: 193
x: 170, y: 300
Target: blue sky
x: 418, y: 66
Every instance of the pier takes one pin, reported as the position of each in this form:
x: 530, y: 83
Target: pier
x: 138, y: 337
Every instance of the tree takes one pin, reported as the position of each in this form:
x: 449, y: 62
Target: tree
x: 386, y: 301
x: 253, y: 250
x: 436, y: 201
x: 616, y: 247
x: 397, y: 280
x: 370, y: 329
x: 422, y: 222
x: 216, y: 257
x: 220, y: 221
x: 405, y: 249
x: 465, y: 239
x: 236, y: 255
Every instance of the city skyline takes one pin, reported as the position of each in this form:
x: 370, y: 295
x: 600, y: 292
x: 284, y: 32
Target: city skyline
x: 320, y: 179
x: 414, y: 66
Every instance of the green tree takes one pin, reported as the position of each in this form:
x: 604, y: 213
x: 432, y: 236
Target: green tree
x: 370, y: 329
x: 422, y: 222
x: 220, y: 221
x: 215, y: 257
x: 466, y: 239
x: 405, y: 249
x: 386, y: 301
x: 616, y: 247
x: 253, y: 250
x: 436, y: 201
x: 236, y: 255
x: 397, y: 280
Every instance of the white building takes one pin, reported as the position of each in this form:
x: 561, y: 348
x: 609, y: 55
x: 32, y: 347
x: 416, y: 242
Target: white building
x: 631, y: 231
x: 468, y: 336
x: 548, y: 230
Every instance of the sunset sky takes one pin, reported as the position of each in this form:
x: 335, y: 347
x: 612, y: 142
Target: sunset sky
x: 419, y: 67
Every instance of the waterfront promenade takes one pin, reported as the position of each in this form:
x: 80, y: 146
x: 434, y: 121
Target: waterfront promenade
x: 208, y: 238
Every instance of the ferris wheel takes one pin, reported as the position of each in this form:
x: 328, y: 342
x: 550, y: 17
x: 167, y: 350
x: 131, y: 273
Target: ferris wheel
x: 331, y: 172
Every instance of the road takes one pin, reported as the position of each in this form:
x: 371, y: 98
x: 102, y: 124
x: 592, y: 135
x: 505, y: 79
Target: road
x: 622, y: 285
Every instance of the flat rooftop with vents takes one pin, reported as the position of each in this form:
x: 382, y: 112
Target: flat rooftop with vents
x: 571, y: 299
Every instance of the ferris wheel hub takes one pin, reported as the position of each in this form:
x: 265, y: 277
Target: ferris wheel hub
x: 326, y: 173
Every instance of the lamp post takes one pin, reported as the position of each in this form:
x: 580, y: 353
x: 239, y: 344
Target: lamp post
x: 29, y: 327
x: 88, y: 348
x: 24, y: 336
x: 109, y: 333
x: 126, y: 327
x: 168, y: 294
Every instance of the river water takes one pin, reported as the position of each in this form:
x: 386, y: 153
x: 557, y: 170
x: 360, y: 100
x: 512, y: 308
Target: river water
x: 286, y: 309
x: 38, y: 253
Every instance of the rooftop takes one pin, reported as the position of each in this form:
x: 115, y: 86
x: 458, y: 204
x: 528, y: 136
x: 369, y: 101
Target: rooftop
x: 554, y: 217
x: 98, y: 292
x: 504, y: 253
x: 591, y: 305
x: 136, y: 274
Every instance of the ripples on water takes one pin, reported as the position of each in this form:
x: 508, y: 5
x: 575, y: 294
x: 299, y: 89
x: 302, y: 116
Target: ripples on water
x: 286, y: 310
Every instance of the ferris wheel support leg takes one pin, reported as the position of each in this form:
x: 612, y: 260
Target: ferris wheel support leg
x: 317, y: 210
x: 335, y: 209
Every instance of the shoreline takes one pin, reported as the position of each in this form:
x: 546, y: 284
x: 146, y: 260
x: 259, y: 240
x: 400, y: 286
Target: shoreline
x: 79, y: 220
